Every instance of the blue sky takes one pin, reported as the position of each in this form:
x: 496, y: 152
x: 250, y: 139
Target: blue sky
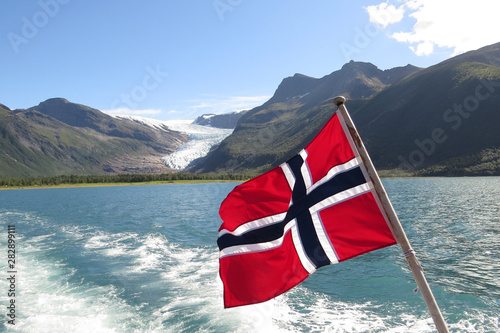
x: 173, y: 59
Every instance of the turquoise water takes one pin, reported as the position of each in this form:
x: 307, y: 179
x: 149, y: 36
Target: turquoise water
x: 144, y: 259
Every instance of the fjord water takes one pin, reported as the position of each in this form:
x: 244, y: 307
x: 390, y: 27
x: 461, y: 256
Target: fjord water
x: 144, y: 259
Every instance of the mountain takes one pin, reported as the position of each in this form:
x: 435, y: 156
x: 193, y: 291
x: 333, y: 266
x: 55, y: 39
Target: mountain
x: 441, y: 120
x: 225, y: 120
x: 438, y: 118
x: 59, y: 137
x: 355, y: 80
x: 268, y: 135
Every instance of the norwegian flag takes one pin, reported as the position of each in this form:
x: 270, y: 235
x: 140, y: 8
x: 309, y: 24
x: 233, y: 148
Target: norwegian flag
x: 319, y: 208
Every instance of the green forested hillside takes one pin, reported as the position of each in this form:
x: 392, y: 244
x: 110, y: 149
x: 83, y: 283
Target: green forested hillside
x: 441, y: 113
x: 58, y: 137
x: 275, y: 131
x: 439, y: 120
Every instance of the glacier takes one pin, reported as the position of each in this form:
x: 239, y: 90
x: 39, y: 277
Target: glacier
x: 200, y: 139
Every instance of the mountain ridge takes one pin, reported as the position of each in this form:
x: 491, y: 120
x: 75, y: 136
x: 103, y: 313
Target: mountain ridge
x: 354, y: 80
x: 224, y: 120
x: 33, y: 142
x: 415, y: 122
x: 293, y: 105
x: 439, y: 120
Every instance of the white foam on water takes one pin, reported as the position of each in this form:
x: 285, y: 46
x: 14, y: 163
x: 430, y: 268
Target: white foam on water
x: 199, y: 295
x: 153, y: 254
x: 477, y: 324
x: 77, y: 232
x: 49, y: 301
x: 51, y: 298
x: 113, y: 245
x: 188, y: 294
x: 189, y: 291
x: 323, y: 315
x: 288, y: 314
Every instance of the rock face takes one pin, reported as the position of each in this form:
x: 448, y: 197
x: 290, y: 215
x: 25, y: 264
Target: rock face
x: 226, y: 120
x: 59, y: 137
x: 441, y: 120
x: 267, y: 135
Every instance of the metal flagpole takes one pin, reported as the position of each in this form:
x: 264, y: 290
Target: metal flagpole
x: 396, y: 227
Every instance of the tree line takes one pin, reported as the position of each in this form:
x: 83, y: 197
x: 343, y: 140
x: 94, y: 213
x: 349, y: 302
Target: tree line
x: 127, y: 178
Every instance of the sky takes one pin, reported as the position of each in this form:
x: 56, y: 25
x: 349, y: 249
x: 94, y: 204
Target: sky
x: 178, y: 59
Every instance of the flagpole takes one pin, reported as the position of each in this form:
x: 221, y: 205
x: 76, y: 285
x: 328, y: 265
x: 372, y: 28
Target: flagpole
x: 395, y: 225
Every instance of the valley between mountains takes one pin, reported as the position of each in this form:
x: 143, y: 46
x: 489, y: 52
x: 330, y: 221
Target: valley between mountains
x: 436, y: 121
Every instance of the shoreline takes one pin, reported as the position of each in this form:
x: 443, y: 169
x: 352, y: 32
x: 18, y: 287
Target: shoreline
x: 159, y: 182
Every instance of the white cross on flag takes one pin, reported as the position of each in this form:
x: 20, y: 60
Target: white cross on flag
x: 319, y: 208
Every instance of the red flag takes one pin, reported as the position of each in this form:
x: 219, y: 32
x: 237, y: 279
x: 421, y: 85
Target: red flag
x: 319, y: 208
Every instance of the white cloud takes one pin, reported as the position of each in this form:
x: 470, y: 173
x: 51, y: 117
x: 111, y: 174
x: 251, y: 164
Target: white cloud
x: 424, y: 48
x: 458, y: 25
x: 194, y: 108
x: 384, y: 14
x: 130, y: 112
x: 213, y: 104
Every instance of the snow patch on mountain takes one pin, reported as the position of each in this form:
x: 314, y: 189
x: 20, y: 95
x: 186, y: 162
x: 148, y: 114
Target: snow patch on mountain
x: 154, y: 123
x: 201, y: 139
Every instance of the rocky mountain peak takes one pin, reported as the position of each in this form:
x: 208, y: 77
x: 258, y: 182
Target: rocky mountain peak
x: 225, y: 120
